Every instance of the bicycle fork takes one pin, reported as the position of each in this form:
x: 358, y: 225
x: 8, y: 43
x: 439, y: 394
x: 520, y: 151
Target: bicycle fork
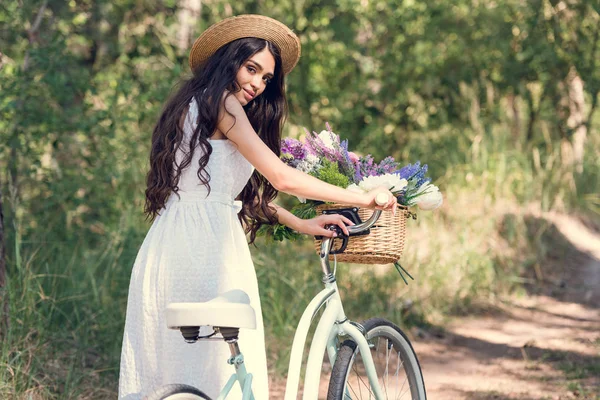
x: 333, y: 323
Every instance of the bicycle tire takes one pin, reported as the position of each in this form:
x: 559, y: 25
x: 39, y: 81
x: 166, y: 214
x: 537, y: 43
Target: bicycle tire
x: 177, y: 391
x: 349, y: 375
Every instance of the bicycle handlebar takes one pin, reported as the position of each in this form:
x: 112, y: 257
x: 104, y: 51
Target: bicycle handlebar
x: 354, y: 229
x: 381, y: 199
x: 327, y: 242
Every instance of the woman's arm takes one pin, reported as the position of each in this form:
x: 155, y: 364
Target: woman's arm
x: 234, y: 123
x: 314, y: 226
x: 286, y: 218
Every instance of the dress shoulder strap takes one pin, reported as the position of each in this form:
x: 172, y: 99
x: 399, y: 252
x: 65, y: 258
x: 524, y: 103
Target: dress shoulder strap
x: 191, y: 119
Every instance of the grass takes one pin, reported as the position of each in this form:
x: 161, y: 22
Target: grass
x: 67, y: 291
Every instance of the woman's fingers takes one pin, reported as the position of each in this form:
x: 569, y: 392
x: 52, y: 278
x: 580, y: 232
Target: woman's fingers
x: 342, y: 225
x: 390, y: 206
x: 325, y: 232
x: 338, y: 220
x: 342, y: 222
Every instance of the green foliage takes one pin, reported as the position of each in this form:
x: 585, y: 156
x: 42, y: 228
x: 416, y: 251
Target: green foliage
x: 278, y: 232
x: 330, y: 173
x: 305, y: 210
x: 480, y: 91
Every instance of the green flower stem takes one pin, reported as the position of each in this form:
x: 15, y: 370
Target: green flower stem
x: 402, y: 271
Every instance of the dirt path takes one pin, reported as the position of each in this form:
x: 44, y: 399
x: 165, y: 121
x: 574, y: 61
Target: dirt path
x: 538, y: 348
x: 545, y: 345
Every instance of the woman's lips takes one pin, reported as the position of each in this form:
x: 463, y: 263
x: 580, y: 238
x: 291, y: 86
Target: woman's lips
x: 247, y: 95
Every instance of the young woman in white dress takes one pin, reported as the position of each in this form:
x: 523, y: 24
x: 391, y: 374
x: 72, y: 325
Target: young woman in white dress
x: 214, y: 173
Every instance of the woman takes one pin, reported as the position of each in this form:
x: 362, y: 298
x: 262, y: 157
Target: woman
x: 214, y: 173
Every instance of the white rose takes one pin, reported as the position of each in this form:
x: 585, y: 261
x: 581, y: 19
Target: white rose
x: 390, y: 181
x: 430, y: 199
x: 329, y: 139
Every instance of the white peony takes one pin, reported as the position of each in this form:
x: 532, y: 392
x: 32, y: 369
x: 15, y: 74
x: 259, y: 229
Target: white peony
x: 390, y: 181
x: 329, y: 139
x: 429, y: 197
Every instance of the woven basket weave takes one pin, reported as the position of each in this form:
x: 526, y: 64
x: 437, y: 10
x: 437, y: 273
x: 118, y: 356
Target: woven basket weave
x: 383, y: 245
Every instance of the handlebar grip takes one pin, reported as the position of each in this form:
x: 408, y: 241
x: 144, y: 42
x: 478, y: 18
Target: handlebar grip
x: 382, y: 199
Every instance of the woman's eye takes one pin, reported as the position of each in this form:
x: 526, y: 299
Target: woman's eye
x: 267, y: 80
x: 251, y: 69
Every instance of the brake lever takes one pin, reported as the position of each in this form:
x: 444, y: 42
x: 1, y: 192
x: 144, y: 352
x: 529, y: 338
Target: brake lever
x: 340, y: 235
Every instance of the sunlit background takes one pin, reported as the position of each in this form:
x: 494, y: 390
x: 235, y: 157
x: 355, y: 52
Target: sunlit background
x: 499, y: 98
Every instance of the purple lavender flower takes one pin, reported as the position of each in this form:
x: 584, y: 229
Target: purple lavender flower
x: 367, y: 167
x: 346, y: 165
x: 419, y: 176
x: 292, y: 152
x: 408, y: 171
x: 415, y: 175
x: 387, y: 166
x: 327, y: 145
x: 293, y: 147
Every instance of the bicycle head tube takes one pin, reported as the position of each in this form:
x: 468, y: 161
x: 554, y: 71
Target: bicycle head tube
x: 328, y: 276
x: 327, y: 243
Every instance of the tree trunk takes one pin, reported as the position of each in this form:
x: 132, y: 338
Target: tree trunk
x: 188, y: 16
x: 533, y: 110
x: 13, y: 172
x: 4, y: 321
x: 472, y: 93
x: 576, y: 120
x: 515, y: 115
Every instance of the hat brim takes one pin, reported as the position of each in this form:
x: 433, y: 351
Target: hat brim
x: 243, y: 26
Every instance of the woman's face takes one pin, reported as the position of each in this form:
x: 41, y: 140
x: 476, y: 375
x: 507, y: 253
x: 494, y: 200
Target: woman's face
x: 254, y: 76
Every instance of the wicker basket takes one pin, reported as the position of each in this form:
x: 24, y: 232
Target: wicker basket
x: 383, y: 245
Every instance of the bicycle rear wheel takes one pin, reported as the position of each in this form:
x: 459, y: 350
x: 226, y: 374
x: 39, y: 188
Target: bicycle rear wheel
x: 398, y: 370
x: 177, y: 391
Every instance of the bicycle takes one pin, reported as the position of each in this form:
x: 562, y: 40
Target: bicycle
x: 361, y: 353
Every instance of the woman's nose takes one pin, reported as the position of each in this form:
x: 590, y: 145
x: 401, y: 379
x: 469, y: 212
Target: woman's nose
x: 256, y: 83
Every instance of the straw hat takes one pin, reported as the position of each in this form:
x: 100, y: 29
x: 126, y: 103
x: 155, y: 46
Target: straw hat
x: 243, y: 26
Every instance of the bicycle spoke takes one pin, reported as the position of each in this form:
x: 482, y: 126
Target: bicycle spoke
x: 387, y: 363
x: 402, y: 365
x: 390, y: 374
x: 407, y: 391
x: 361, y: 380
x: 397, y: 373
x: 346, y: 393
x: 357, y: 375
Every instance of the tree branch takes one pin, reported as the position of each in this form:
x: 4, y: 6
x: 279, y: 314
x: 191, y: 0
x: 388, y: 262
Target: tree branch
x: 31, y: 32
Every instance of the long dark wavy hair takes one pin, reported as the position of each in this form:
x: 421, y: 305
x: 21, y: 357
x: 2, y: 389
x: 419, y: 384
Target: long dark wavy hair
x: 266, y: 113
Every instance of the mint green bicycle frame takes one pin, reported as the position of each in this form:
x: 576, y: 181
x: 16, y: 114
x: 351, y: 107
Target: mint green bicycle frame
x: 240, y: 375
x: 332, y: 324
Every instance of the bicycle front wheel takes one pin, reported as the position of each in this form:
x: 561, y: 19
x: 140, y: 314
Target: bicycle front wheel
x: 398, y: 370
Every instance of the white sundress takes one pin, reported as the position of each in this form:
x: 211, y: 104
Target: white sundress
x: 195, y: 250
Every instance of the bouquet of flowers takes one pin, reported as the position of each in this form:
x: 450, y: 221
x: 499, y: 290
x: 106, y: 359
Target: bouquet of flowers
x: 326, y: 157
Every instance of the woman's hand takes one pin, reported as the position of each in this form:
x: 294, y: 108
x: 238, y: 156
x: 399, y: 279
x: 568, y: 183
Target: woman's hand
x: 316, y: 226
x: 389, y: 206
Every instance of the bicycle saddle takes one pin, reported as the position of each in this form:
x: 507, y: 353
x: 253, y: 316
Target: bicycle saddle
x: 231, y: 309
